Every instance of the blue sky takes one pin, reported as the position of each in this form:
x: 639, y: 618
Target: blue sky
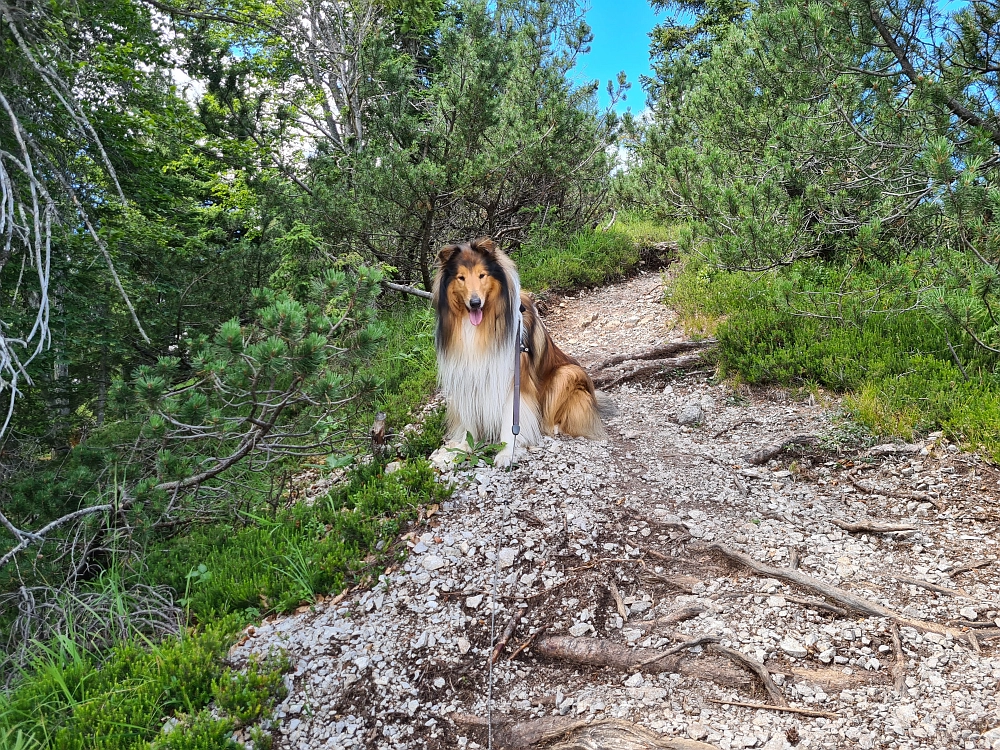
x: 621, y: 42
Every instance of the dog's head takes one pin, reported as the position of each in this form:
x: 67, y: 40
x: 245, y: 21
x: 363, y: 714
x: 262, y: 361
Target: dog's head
x: 474, y: 278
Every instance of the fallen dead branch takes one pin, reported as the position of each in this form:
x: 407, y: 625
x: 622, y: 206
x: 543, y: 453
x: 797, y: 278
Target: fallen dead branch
x: 619, y: 602
x: 563, y: 733
x: 936, y: 588
x: 841, y: 596
x: 680, y: 615
x: 971, y: 566
x: 898, y: 669
x: 649, y: 372
x: 787, y: 709
x: 768, y: 452
x: 898, y: 493
x: 528, y: 641
x: 816, y: 604
x: 871, y: 527
x: 597, y: 652
x: 505, y: 636
x: 658, y: 352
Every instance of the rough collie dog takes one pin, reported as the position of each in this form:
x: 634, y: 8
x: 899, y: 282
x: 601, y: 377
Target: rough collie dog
x: 479, y: 302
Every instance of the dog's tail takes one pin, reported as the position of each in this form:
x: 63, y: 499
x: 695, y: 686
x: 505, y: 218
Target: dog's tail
x: 605, y: 406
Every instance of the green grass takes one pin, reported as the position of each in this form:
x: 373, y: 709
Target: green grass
x: 276, y: 564
x: 555, y: 261
x: 72, y: 699
x: 864, y: 330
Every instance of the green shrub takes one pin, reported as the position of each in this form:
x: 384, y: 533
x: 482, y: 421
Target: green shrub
x: 248, y: 696
x: 864, y: 329
x: 202, y: 731
x: 69, y: 698
x: 276, y: 564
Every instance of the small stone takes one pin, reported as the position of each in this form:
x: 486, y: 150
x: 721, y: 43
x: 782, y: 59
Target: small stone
x: 969, y: 613
x: 992, y: 738
x: 473, y: 602
x: 697, y: 731
x: 507, y: 556
x: 639, y: 607
x: 581, y: 628
x: 433, y: 562
x: 464, y: 644
x: 635, y: 680
x: 792, y: 647
x: 419, y: 548
x: 393, y: 466
x: 690, y: 414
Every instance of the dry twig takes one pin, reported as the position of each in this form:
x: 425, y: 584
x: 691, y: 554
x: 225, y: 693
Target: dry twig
x: 787, y: 709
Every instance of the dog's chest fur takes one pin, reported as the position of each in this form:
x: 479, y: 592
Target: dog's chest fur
x: 478, y: 381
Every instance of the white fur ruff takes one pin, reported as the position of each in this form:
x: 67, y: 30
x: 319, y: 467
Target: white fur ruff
x: 478, y: 383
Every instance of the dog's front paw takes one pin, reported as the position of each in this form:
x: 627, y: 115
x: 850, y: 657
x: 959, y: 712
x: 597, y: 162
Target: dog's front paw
x: 506, y: 457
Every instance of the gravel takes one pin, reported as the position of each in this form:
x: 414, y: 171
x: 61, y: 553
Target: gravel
x: 394, y: 666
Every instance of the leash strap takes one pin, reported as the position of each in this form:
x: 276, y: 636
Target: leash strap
x: 516, y: 426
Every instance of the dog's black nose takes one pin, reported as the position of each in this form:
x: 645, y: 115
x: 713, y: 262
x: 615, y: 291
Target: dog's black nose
x: 475, y: 303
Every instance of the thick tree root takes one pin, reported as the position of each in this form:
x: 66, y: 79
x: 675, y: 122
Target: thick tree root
x: 563, y: 733
x: 872, y: 527
x: 597, y: 652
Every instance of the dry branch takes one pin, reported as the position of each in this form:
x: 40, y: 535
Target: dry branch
x: 407, y: 289
x: 898, y: 668
x: 787, y: 709
x: 971, y: 566
x: 768, y: 452
x: 659, y: 352
x: 846, y: 598
x: 597, y: 652
x: 680, y: 615
x: 701, y: 640
x: 505, y: 636
x: 662, y: 368
x: 839, y: 611
x: 936, y: 588
x: 619, y: 602
x: 871, y: 527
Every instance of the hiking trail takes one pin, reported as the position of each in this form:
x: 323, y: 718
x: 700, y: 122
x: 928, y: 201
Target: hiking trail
x: 854, y: 590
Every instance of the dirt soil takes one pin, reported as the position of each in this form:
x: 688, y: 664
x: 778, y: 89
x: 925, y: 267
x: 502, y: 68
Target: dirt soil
x: 597, y: 560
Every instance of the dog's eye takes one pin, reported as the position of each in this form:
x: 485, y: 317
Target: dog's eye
x: 482, y: 275
x: 461, y: 278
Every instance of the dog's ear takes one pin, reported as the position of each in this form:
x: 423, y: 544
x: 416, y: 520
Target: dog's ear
x: 484, y: 245
x: 445, y: 253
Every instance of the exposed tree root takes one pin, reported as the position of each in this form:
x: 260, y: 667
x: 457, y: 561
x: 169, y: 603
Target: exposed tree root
x: 841, y: 596
x: 898, y: 661
x: 768, y: 452
x: 937, y: 589
x: 505, y: 636
x: 738, y: 657
x: 563, y: 733
x: 597, y: 652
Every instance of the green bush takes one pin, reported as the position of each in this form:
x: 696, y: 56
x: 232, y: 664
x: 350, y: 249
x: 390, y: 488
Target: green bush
x: 69, y: 698
x: 247, y: 696
x: 277, y: 564
x: 202, y: 731
x: 865, y: 329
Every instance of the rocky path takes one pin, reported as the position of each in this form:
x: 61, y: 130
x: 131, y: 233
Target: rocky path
x: 611, y: 554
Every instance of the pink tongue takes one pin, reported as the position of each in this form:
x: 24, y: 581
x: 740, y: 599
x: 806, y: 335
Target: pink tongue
x: 476, y: 317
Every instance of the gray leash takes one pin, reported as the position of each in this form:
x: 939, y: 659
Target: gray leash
x: 515, y: 430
